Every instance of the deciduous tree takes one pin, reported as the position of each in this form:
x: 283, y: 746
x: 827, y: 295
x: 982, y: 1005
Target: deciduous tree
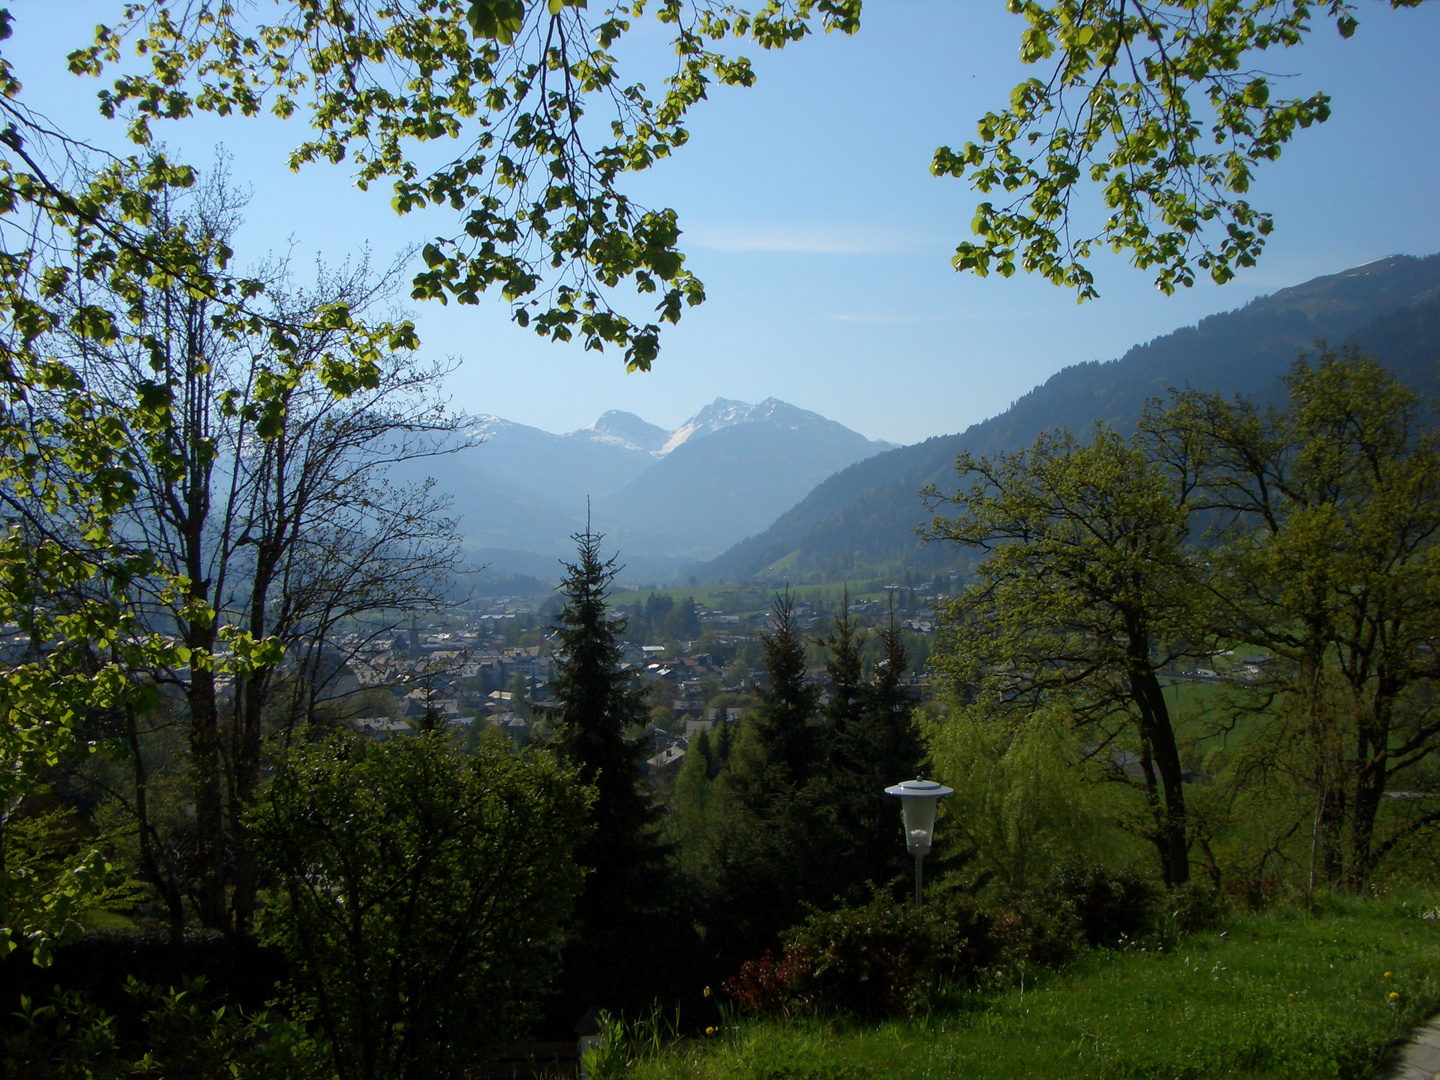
x: 1087, y: 591
x: 424, y: 893
x: 1329, y: 516
x: 1159, y: 106
x: 280, y: 527
x: 83, y: 251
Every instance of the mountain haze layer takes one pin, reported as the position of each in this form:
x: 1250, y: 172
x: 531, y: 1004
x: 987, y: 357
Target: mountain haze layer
x: 727, y: 473
x: 862, y: 519
x: 663, y: 498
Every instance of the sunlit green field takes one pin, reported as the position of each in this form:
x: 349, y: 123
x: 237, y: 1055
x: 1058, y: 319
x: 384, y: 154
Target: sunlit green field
x: 1282, y: 995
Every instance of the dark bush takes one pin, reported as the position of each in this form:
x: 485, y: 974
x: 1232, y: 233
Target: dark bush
x: 1254, y: 893
x: 1196, y: 906
x: 1109, y: 904
x: 234, y: 969
x: 883, y: 959
x: 182, y: 1033
x: 1036, y: 931
x: 889, y: 959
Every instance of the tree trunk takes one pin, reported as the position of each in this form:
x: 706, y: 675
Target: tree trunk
x: 1158, y: 735
x: 1371, y: 776
x: 1330, y: 811
x: 209, y: 801
x: 252, y: 692
x: 1327, y: 857
x: 163, y: 883
x: 245, y: 785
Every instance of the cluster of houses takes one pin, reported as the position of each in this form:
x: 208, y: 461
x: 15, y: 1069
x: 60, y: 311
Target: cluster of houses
x: 466, y: 678
x: 453, y: 676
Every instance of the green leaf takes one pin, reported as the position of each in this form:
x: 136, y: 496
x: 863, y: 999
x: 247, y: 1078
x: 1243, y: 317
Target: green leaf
x: 497, y: 20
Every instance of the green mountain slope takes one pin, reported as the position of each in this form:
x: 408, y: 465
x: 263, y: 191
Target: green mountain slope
x: 862, y: 520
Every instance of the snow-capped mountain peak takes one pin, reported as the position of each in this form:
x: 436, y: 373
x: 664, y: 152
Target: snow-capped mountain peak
x: 625, y: 429
x: 723, y: 413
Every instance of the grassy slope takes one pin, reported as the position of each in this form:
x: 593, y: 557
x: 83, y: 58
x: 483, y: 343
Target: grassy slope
x: 1285, y: 996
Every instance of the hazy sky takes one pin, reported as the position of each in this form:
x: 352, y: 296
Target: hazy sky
x: 823, y: 241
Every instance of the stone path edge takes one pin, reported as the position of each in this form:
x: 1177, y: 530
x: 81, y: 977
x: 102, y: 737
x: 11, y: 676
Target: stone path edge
x: 1419, y: 1059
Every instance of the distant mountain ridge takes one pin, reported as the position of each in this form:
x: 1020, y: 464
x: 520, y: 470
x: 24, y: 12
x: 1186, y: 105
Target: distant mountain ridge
x: 728, y: 472
x: 627, y: 429
x: 862, y: 519
x: 663, y: 498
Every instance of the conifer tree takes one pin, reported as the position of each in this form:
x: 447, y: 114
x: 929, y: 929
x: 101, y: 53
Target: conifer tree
x: 786, y: 731
x: 875, y: 743
x: 633, y: 944
x: 599, y: 704
x: 777, y: 849
x: 846, y: 668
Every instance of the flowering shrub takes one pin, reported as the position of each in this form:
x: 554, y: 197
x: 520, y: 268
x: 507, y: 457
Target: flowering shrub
x: 764, y: 986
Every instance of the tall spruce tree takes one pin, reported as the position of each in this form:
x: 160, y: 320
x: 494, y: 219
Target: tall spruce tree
x: 599, y: 704
x: 776, y: 852
x: 845, y: 667
x: 874, y: 743
x: 632, y: 944
x: 788, y: 735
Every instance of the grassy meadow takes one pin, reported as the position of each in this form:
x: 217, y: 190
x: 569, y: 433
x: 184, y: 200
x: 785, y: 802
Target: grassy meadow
x: 1285, y: 994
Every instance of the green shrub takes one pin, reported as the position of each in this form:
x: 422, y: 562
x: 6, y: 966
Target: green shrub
x: 1109, y: 905
x: 1194, y: 907
x: 1036, y: 931
x: 883, y: 959
x: 421, y: 895
x: 892, y: 959
x: 181, y: 1033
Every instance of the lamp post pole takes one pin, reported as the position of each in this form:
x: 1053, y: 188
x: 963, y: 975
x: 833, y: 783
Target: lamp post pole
x: 918, y: 799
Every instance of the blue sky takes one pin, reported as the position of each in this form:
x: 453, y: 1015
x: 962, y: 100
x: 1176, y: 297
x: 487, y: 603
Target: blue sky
x: 824, y: 242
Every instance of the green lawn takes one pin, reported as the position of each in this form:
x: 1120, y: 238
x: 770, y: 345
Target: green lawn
x: 1285, y: 995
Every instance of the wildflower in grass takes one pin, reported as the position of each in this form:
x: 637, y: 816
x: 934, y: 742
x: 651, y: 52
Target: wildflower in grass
x: 1394, y: 995
x: 711, y: 1030
x: 1387, y: 974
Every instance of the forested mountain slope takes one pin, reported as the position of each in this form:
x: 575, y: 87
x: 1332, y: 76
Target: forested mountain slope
x: 863, y: 519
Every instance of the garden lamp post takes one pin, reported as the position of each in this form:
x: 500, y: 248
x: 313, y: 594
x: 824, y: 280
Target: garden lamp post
x: 917, y: 799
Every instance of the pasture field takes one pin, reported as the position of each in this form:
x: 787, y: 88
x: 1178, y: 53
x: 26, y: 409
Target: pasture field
x: 1293, y: 993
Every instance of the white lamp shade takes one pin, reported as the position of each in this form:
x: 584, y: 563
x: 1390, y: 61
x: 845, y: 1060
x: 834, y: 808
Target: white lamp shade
x: 918, y: 800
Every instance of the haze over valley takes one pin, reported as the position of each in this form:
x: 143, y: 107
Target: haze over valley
x: 775, y: 492
x: 666, y: 499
